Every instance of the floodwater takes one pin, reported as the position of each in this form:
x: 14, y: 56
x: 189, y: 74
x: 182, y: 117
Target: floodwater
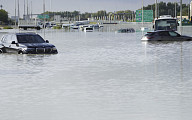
x: 98, y: 76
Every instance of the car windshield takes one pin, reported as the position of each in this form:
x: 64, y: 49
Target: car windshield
x: 173, y: 34
x: 163, y: 33
x: 89, y: 28
x: 30, y: 39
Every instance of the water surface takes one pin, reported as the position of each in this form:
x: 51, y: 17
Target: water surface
x: 98, y: 76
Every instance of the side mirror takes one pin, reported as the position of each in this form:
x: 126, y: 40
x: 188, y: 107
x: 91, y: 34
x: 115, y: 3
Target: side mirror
x: 13, y: 42
x: 47, y: 41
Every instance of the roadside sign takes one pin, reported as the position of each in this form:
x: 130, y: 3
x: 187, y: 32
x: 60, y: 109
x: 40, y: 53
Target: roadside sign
x: 147, y: 15
x: 43, y: 16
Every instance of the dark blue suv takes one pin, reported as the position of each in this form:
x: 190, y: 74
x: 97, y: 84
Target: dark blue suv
x: 26, y: 43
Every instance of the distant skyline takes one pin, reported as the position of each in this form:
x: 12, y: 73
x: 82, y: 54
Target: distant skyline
x: 79, y: 5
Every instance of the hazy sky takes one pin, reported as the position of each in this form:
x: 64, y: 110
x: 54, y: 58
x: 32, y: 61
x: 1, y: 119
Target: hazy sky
x: 79, y: 5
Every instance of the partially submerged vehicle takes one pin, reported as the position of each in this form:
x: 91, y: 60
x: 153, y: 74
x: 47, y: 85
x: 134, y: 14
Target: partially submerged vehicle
x: 26, y: 43
x: 128, y: 30
x: 165, y: 35
x: 88, y: 29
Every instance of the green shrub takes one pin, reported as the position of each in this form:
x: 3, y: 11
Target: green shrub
x: 57, y: 27
x: 7, y: 27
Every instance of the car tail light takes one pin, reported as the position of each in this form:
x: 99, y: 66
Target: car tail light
x: 150, y: 37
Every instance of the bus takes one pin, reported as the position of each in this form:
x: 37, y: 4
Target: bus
x: 165, y: 22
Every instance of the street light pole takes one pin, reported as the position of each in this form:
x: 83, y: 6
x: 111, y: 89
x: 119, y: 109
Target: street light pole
x: 15, y: 14
x: 180, y: 13
x: 175, y: 10
x: 181, y: 29
x: 18, y: 12
x: 142, y: 13
x: 44, y: 17
x: 24, y: 10
x: 155, y: 8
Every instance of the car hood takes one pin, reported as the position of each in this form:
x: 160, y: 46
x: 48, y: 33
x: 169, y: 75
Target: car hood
x: 185, y: 36
x: 37, y: 45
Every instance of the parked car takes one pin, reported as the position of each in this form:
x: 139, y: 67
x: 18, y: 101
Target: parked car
x: 88, y: 29
x: 164, y: 35
x: 26, y: 43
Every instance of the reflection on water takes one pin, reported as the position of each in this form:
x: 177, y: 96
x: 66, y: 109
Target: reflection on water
x: 98, y: 76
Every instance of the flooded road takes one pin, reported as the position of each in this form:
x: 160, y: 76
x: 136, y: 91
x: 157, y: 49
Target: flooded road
x: 98, y: 76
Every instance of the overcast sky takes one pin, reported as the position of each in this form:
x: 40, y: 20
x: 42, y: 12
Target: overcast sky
x: 79, y: 5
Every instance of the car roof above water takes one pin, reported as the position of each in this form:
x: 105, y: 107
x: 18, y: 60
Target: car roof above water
x: 26, y: 34
x: 160, y: 31
x: 21, y: 34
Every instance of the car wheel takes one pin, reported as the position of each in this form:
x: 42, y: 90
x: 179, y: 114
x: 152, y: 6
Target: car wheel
x: 1, y: 51
x: 20, y: 52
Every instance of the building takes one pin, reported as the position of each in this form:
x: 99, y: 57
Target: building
x: 14, y: 18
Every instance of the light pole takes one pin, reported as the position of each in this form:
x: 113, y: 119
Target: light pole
x: 181, y: 29
x: 180, y: 13
x: 24, y: 10
x: 188, y: 10
x: 15, y: 13
x: 155, y: 8
x: 175, y: 10
x: 44, y: 17
x: 50, y: 5
x: 18, y: 13
x: 142, y: 13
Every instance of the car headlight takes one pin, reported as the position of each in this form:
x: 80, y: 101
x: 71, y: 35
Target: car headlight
x: 54, y: 48
x: 24, y: 49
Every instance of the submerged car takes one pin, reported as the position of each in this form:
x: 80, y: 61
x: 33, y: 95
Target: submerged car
x: 165, y: 35
x: 128, y: 30
x: 26, y: 43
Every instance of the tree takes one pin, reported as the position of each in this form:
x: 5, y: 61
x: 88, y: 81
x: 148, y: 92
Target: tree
x: 3, y: 16
x: 168, y: 9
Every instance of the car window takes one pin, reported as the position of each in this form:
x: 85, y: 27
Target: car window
x: 13, y: 38
x: 3, y: 40
x: 30, y: 39
x: 8, y: 39
x: 164, y: 33
x: 173, y: 34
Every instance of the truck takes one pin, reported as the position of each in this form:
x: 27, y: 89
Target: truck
x: 166, y: 22
x: 33, y: 24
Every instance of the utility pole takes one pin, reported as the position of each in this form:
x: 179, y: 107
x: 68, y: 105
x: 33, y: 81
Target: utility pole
x: 18, y: 13
x: 181, y: 29
x: 50, y: 5
x: 31, y: 10
x: 180, y: 13
x: 15, y: 13
x: 44, y: 16
x: 188, y: 10
x: 155, y: 8
x: 27, y: 10
x: 24, y: 10
x: 142, y: 14
x: 175, y: 10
